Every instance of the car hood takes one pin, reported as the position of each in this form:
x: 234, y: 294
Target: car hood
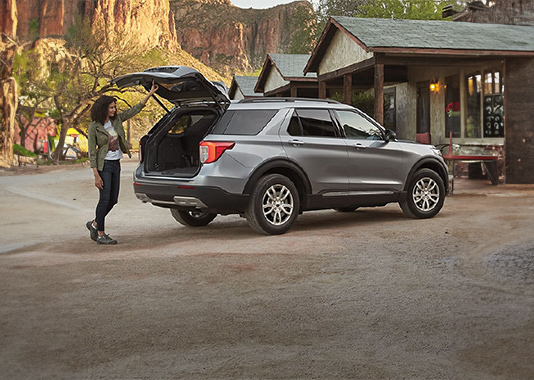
x: 178, y: 84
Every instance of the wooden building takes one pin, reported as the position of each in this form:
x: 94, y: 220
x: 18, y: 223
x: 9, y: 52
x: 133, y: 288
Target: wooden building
x: 475, y: 81
x: 283, y: 75
x: 242, y: 87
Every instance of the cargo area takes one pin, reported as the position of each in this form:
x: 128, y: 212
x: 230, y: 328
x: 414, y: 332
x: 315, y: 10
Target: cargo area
x: 173, y: 148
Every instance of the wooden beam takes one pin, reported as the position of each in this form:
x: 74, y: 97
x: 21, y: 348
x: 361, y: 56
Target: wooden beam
x: 438, y: 61
x: 457, y: 52
x: 356, y: 67
x: 379, y: 91
x: 347, y: 89
x: 322, y: 90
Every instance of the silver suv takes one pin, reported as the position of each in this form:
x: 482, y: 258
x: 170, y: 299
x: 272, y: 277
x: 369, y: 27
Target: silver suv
x: 270, y: 159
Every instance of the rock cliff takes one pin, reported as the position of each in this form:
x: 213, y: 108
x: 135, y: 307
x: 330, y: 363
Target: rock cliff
x: 217, y: 33
x: 224, y: 36
x: 150, y: 20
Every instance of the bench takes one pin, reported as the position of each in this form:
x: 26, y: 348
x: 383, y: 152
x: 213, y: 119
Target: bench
x: 484, y: 159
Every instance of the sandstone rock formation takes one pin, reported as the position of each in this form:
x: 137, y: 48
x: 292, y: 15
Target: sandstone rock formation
x: 151, y: 21
x: 224, y: 36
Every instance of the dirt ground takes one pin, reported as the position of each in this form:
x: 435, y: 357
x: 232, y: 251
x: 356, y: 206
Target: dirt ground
x: 366, y: 295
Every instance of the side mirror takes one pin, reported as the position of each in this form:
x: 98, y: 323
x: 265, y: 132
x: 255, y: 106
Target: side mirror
x: 390, y: 135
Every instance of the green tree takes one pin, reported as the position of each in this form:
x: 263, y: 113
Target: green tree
x: 94, y: 57
x: 403, y: 9
x: 304, y: 31
x: 398, y: 9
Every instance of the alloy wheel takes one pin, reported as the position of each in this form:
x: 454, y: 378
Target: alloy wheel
x: 426, y: 194
x: 277, y: 204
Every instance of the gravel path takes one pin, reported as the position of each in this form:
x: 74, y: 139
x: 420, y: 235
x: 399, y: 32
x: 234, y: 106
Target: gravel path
x: 365, y: 295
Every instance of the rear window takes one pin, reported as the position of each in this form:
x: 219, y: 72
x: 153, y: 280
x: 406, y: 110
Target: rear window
x: 246, y: 122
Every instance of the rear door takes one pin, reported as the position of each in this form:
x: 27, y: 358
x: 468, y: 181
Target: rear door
x: 178, y: 85
x: 313, y: 142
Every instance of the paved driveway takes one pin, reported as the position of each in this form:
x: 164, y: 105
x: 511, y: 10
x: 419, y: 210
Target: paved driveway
x: 366, y: 295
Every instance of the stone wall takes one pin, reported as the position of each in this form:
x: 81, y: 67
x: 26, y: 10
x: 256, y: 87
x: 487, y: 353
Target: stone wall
x: 519, y: 141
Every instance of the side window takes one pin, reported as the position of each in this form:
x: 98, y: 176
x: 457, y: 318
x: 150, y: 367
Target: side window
x: 316, y: 123
x: 243, y: 122
x: 294, y: 128
x: 358, y: 127
x: 181, y: 125
x: 190, y: 121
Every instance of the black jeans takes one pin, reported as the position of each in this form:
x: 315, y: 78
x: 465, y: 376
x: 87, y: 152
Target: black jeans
x: 109, y: 195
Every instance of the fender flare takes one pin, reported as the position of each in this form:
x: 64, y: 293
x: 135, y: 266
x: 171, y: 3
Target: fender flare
x: 271, y: 167
x: 432, y: 164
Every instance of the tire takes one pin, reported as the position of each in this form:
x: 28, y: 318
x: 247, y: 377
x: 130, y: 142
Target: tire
x: 425, y: 195
x: 192, y: 218
x: 273, y: 206
x: 346, y: 209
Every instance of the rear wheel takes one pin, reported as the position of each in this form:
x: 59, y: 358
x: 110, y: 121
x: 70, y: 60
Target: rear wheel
x: 192, y: 218
x: 274, y: 205
x: 425, y: 195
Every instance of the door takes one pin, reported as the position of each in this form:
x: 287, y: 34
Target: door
x: 423, y: 112
x: 313, y: 142
x: 373, y: 162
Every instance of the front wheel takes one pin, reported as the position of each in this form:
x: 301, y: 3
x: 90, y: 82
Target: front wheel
x: 192, y: 218
x: 425, y: 195
x: 273, y: 206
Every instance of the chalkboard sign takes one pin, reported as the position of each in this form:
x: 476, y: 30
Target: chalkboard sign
x: 493, y: 116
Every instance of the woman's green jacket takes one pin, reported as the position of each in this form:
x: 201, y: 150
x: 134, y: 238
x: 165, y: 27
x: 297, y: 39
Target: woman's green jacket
x: 98, y: 139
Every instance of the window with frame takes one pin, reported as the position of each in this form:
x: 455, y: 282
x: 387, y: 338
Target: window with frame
x: 310, y: 122
x: 474, y: 97
x: 453, y: 113
x: 390, y: 111
x: 358, y: 127
x: 493, y: 113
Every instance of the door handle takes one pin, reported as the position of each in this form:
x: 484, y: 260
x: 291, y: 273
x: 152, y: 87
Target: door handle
x: 296, y: 142
x: 359, y: 146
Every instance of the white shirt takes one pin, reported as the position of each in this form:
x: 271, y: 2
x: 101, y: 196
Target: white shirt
x: 117, y: 154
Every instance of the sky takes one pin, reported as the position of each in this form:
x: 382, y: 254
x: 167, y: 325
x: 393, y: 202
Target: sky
x: 259, y: 4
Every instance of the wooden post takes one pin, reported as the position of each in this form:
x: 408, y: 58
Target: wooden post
x: 322, y: 90
x: 347, y: 89
x: 379, y: 91
x: 294, y: 92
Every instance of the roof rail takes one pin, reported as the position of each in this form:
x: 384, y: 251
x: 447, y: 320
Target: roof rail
x: 276, y: 99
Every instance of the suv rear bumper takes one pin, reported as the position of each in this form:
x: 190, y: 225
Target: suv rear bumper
x: 210, y: 199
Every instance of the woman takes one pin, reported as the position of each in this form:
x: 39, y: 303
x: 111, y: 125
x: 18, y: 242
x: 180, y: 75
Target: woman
x: 107, y: 143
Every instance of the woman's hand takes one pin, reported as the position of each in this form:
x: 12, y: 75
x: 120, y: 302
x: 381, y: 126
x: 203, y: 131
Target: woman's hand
x: 153, y: 89
x: 98, y: 182
x: 150, y: 93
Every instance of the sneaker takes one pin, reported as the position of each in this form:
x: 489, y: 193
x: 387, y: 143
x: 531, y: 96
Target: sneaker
x: 92, y: 230
x: 105, y: 239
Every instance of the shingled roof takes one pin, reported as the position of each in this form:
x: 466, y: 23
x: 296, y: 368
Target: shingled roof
x: 245, y: 84
x: 427, y: 36
x: 289, y: 66
x: 430, y: 34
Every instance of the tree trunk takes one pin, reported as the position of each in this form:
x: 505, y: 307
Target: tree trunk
x: 58, y: 152
x: 8, y: 86
x: 8, y: 101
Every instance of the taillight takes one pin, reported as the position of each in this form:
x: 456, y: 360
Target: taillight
x: 210, y: 151
x: 141, y: 149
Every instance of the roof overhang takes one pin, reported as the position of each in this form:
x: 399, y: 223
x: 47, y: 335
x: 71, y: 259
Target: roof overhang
x: 333, y: 26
